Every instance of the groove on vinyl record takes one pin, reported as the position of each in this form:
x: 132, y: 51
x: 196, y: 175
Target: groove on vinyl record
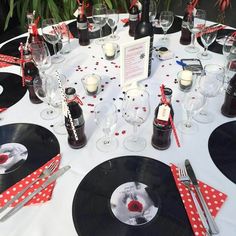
x: 129, y: 196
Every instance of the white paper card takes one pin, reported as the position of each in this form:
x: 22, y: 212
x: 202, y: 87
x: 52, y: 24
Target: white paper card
x: 163, y: 113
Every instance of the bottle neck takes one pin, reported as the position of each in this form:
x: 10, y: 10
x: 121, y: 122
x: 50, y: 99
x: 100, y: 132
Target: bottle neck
x: 145, y: 11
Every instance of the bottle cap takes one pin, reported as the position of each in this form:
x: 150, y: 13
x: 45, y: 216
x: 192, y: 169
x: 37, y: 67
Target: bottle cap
x: 70, y: 91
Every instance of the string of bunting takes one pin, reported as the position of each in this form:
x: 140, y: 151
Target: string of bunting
x: 163, y: 96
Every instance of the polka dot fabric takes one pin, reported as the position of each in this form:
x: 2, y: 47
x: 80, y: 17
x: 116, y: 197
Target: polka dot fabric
x: 43, y: 196
x: 213, y: 198
x: 7, y: 60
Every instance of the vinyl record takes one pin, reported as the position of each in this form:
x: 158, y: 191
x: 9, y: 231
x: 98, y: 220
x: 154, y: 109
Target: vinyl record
x: 93, y: 33
x: 217, y: 45
x: 23, y: 149
x: 127, y: 196
x: 176, y: 27
x: 222, y: 149
x: 11, y: 48
x: 11, y: 89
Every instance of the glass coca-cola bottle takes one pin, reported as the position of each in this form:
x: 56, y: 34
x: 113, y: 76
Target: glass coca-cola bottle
x: 76, y: 135
x: 229, y: 106
x: 133, y: 17
x: 82, y: 26
x: 185, y: 38
x: 162, y: 129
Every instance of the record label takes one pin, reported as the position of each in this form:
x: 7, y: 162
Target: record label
x: 131, y: 204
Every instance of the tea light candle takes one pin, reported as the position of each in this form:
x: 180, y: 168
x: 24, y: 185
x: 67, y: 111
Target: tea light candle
x: 109, y: 50
x: 92, y: 83
x: 186, y: 77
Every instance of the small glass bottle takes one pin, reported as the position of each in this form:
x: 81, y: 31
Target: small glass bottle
x: 185, y: 38
x: 133, y: 18
x: 82, y: 26
x: 229, y: 106
x: 78, y: 121
x: 162, y: 129
x: 30, y: 73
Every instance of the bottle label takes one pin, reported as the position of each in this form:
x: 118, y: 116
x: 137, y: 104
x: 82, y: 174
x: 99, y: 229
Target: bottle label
x: 163, y: 113
x: 133, y: 17
x: 82, y: 26
x: 230, y: 91
x: 78, y: 121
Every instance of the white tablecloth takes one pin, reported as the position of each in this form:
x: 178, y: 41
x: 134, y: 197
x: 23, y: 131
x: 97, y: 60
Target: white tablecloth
x: 54, y: 218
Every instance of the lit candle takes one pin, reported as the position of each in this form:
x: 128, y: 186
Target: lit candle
x: 185, y: 79
x: 91, y: 83
x: 109, y: 50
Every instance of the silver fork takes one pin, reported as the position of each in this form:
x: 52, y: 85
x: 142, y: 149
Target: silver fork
x: 47, y: 171
x: 184, y: 178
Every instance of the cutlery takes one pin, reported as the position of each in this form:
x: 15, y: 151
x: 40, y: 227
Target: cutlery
x: 184, y: 179
x: 51, y: 179
x: 213, y: 228
x: 47, y: 171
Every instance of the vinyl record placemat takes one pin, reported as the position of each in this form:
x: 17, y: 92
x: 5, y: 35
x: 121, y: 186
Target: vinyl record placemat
x: 11, y: 48
x: 222, y: 149
x: 94, y: 31
x: 134, y: 196
x: 176, y: 27
x: 217, y: 45
x: 11, y: 89
x: 23, y: 149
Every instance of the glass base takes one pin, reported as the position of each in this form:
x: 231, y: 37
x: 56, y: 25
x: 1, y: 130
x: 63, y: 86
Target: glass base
x: 191, y: 49
x: 104, y: 146
x: 100, y: 41
x: 49, y: 114
x: 59, y: 128
x: 135, y: 144
x: 186, y: 128
x: 58, y: 58
x: 203, y: 56
x: 204, y: 117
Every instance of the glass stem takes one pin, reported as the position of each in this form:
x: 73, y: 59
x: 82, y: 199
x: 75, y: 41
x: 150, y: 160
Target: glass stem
x: 204, y: 110
x: 188, y: 123
x: 107, y: 138
x: 100, y: 29
x: 205, y: 51
x: 135, y: 136
x: 54, y: 49
x: 193, y: 40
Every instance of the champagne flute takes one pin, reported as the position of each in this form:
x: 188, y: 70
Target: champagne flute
x: 195, y: 23
x: 210, y: 84
x: 106, y: 119
x: 135, y: 111
x: 112, y: 20
x: 207, y: 37
x: 166, y: 20
x: 52, y: 34
x: 192, y: 103
x: 99, y: 15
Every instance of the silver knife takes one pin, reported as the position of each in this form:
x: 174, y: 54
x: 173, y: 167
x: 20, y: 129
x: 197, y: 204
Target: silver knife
x: 213, y: 228
x: 52, y: 178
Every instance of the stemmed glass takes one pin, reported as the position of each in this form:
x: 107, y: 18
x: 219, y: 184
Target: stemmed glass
x: 192, y: 103
x: 196, y: 22
x: 207, y: 37
x: 52, y: 34
x: 106, y: 119
x: 99, y: 15
x: 166, y: 20
x: 112, y: 20
x: 153, y: 13
x: 135, y: 111
x: 210, y: 84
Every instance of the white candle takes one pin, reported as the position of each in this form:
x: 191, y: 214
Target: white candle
x: 92, y: 83
x: 109, y: 49
x: 186, y: 77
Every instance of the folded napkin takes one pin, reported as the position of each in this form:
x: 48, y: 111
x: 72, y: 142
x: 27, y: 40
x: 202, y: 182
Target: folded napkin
x: 43, y: 196
x: 6, y: 60
x: 213, y: 198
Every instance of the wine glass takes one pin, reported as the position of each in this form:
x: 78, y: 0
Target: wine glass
x: 106, y: 119
x: 41, y: 55
x: 207, y: 37
x: 192, y: 103
x: 153, y: 13
x: 99, y: 15
x: 52, y: 34
x: 135, y: 111
x: 112, y: 20
x: 196, y: 22
x: 166, y: 20
x: 210, y: 84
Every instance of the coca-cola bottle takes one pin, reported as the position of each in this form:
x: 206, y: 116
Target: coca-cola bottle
x: 185, y: 38
x: 30, y: 73
x: 144, y: 28
x: 82, y: 26
x: 76, y: 135
x: 162, y: 129
x: 229, y: 106
x: 133, y: 17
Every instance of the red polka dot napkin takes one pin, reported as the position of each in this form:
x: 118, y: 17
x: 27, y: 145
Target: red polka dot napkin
x: 6, y: 60
x: 43, y: 196
x: 213, y: 198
